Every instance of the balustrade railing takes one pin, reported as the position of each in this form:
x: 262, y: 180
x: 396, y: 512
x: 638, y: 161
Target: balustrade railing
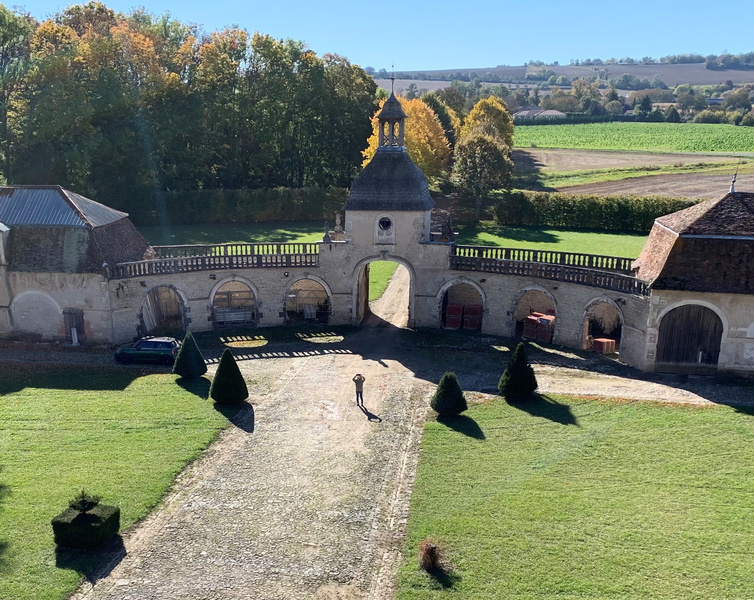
x: 273, y: 248
x: 553, y: 257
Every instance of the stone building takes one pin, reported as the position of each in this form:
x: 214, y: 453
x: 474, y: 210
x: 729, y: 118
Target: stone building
x: 68, y: 263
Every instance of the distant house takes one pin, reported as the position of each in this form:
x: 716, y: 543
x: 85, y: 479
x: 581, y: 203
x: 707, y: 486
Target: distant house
x: 538, y: 113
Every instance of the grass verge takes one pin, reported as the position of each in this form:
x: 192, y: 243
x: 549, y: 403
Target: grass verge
x: 234, y: 233
x: 118, y: 433
x: 380, y: 272
x: 567, y: 498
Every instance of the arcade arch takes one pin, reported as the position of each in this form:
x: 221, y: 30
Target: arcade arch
x: 461, y: 305
x: 307, y: 299
x: 602, y: 320
x: 534, y: 315
x: 396, y: 304
x: 234, y: 303
x: 689, y: 340
x: 163, y: 311
x: 36, y: 313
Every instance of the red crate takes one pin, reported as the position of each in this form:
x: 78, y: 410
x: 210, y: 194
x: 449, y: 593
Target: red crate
x: 603, y: 345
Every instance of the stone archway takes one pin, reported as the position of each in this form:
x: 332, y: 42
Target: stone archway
x: 163, y: 312
x: 36, y: 314
x: 689, y: 340
x: 534, y: 315
x: 461, y: 305
x: 234, y: 304
x: 396, y: 306
x: 308, y: 299
x: 603, y: 320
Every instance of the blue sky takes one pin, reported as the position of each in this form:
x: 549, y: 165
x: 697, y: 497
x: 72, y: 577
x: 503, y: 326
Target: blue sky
x: 441, y: 34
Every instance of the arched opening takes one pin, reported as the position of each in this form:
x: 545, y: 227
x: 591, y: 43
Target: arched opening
x: 602, y: 328
x: 383, y: 295
x: 37, y: 316
x: 162, y: 312
x: 234, y: 304
x: 689, y: 340
x: 307, y: 300
x: 462, y: 307
x: 535, y: 316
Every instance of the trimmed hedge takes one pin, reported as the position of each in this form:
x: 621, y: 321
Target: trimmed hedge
x: 247, y: 205
x: 518, y: 380
x: 189, y: 363
x: 449, y: 400
x: 585, y: 211
x: 228, y: 386
x: 86, y: 524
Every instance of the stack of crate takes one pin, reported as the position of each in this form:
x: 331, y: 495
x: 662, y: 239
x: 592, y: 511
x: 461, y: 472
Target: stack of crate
x: 540, y: 327
x: 472, y: 316
x: 454, y: 316
x: 603, y: 345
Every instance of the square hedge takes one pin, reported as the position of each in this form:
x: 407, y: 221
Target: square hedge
x: 86, y: 530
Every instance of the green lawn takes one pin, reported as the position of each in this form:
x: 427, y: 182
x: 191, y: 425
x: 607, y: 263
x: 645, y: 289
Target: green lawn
x: 380, y: 272
x: 226, y: 233
x: 487, y: 233
x: 585, y: 499
x: 657, y: 137
x: 119, y: 434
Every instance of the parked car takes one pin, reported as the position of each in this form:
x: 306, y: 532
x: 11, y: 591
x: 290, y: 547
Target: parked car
x: 161, y: 350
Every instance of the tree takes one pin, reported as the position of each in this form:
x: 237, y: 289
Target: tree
x: 482, y: 164
x: 443, y: 114
x: 738, y: 100
x: 672, y: 116
x: 490, y: 117
x: 189, y: 363
x: 449, y: 400
x: 518, y: 380
x: 228, y: 386
x: 614, y: 107
x: 646, y: 104
x: 425, y: 138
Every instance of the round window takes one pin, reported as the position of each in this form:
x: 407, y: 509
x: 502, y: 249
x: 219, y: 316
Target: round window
x: 385, y: 223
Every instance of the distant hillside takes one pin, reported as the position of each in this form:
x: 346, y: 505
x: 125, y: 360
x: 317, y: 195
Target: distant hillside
x: 670, y: 74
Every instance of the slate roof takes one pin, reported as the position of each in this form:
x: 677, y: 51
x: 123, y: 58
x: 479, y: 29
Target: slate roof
x: 708, y: 247
x: 392, y: 109
x: 391, y: 181
x: 52, y: 206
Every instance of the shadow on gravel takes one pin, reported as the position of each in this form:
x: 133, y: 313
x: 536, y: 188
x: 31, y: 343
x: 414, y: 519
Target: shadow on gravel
x: 463, y: 424
x: 93, y: 565
x: 370, y: 416
x: 543, y: 406
x: 198, y: 387
x: 241, y: 415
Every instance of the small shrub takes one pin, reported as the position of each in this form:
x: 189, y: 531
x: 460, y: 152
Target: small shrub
x: 228, y: 386
x: 518, y: 380
x: 189, y: 363
x: 449, y: 400
x: 84, y: 501
x: 429, y: 555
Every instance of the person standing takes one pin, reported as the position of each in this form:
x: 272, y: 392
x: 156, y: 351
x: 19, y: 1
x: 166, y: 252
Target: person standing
x: 359, y: 381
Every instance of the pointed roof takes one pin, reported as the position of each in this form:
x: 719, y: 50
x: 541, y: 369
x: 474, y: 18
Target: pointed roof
x: 52, y: 206
x: 731, y: 215
x: 391, y: 110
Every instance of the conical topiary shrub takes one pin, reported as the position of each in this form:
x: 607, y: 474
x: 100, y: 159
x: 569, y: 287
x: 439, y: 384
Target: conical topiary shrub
x: 189, y: 363
x: 228, y: 386
x: 449, y: 400
x: 518, y: 380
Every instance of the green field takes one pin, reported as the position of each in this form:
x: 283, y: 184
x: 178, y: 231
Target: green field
x: 115, y: 432
x: 658, y: 137
x: 380, y: 272
x: 584, y: 499
x: 228, y: 233
x: 485, y: 233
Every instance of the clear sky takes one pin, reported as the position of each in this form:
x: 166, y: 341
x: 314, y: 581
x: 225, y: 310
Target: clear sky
x: 423, y: 35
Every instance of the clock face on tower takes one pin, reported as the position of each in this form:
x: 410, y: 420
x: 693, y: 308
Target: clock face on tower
x: 385, y: 223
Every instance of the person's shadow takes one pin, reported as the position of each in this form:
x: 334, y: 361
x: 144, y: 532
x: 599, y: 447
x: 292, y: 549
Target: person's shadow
x: 370, y: 416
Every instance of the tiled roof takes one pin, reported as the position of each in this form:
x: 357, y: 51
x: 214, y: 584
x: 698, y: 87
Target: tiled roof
x: 392, y: 109
x: 731, y: 215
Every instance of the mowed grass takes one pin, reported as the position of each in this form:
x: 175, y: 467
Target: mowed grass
x: 658, y: 137
x: 585, y: 499
x: 487, y: 233
x: 380, y: 272
x: 229, y: 233
x: 115, y: 432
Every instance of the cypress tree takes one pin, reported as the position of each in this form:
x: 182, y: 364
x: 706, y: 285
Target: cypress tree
x: 449, y: 400
x: 189, y: 363
x: 228, y: 386
x: 518, y: 380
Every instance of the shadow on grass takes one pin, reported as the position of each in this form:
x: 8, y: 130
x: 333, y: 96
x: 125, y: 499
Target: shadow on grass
x: 241, y: 415
x: 93, y: 565
x: 463, y: 424
x: 4, y: 493
x: 67, y: 377
x: 199, y: 386
x: 444, y: 578
x: 472, y: 233
x: 539, y: 405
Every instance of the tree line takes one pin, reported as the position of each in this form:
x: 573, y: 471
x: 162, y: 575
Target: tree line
x: 125, y: 107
